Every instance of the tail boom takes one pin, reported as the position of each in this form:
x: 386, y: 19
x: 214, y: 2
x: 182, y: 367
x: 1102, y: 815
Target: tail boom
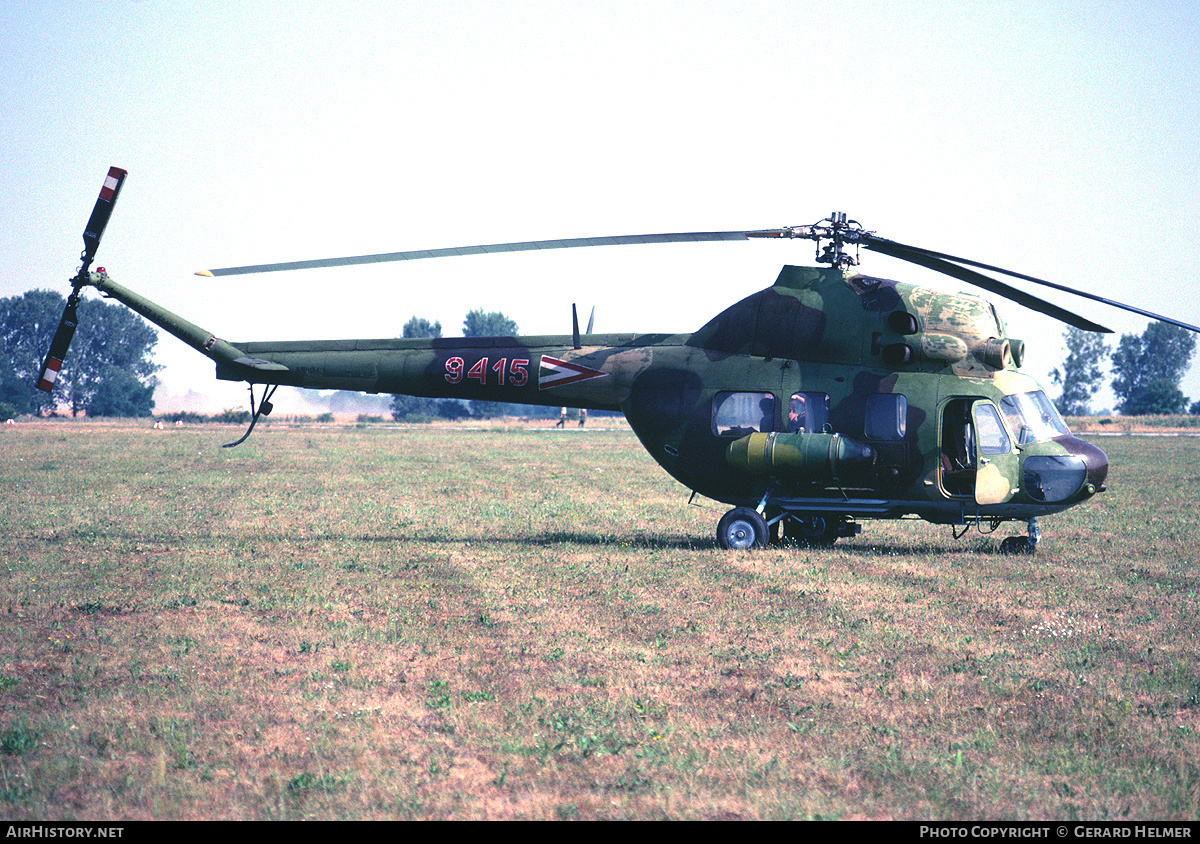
x: 536, y: 370
x: 545, y: 370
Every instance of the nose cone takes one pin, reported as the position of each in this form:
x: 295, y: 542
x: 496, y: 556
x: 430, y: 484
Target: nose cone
x: 1070, y: 471
x: 1095, y: 460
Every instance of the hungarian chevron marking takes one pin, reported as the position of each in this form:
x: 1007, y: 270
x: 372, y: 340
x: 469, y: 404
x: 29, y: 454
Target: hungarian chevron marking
x: 553, y: 372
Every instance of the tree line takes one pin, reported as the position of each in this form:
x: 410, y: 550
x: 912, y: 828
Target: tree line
x: 1147, y: 369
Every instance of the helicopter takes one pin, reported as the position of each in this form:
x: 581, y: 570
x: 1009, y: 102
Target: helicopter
x: 827, y: 399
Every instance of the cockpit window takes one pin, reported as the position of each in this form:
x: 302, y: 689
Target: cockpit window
x: 1032, y: 417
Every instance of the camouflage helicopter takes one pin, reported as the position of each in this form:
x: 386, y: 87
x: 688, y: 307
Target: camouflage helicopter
x: 828, y: 398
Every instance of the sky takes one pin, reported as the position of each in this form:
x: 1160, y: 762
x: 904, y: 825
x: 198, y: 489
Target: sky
x: 1058, y: 139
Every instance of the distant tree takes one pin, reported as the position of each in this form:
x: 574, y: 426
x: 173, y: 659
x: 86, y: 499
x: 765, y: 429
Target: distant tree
x: 109, y: 357
x: 27, y: 324
x: 1194, y: 410
x: 413, y: 409
x: 453, y: 409
x: 416, y: 408
x: 493, y: 324
x: 111, y: 353
x: 1161, y: 353
x: 121, y: 394
x: 1161, y: 397
x: 1081, y: 373
x: 16, y: 395
x: 419, y: 327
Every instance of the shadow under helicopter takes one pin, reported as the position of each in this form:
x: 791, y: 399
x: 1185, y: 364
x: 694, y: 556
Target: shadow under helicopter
x: 987, y: 544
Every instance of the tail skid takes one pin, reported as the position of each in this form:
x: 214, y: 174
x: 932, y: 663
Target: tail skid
x: 264, y: 409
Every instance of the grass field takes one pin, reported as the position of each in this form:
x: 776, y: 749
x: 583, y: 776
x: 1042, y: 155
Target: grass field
x: 376, y: 622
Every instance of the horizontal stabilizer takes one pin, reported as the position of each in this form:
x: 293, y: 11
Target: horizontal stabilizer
x: 261, y: 365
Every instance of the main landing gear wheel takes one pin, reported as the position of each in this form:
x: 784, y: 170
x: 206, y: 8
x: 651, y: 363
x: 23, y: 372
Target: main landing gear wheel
x: 811, y: 529
x: 741, y: 529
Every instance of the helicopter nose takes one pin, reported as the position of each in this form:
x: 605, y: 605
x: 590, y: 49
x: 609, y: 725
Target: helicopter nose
x: 1093, y: 458
x: 1075, y: 474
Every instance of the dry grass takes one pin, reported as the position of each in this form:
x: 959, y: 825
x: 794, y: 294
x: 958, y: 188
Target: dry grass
x: 509, y: 623
x: 1135, y: 424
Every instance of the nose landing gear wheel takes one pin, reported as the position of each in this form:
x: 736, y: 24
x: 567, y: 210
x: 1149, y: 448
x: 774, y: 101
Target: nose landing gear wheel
x: 1017, y: 545
x: 741, y: 529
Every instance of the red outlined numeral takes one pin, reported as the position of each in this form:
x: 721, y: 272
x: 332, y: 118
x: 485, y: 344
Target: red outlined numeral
x: 512, y: 373
x: 499, y: 368
x: 518, y: 375
x: 479, y: 371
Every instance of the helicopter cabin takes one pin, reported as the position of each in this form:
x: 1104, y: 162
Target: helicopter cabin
x: 866, y: 389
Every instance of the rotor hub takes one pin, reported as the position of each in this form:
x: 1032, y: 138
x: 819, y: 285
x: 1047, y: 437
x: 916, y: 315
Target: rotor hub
x: 837, y: 231
x: 831, y: 234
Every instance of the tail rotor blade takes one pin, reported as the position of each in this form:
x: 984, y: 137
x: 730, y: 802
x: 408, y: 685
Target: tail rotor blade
x: 92, y: 233
x: 58, y: 346
x: 100, y: 214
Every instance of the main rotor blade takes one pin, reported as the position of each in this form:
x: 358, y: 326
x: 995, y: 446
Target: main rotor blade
x: 934, y: 262
x: 1111, y: 302
x: 103, y: 209
x: 523, y: 246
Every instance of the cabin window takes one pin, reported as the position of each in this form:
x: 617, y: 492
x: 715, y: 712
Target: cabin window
x: 808, y: 412
x: 887, y: 417
x: 738, y: 414
x: 993, y: 438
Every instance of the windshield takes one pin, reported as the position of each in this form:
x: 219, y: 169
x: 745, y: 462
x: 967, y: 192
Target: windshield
x: 1032, y: 417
